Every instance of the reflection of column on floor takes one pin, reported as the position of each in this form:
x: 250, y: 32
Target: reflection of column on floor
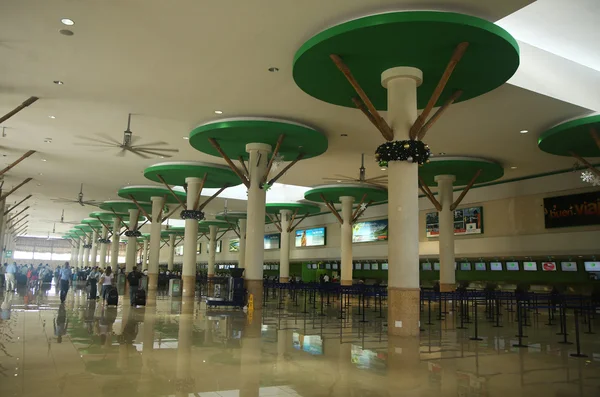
x: 146, y: 382
x: 208, y: 331
x: 250, y: 356
x: 123, y: 357
x: 404, y: 368
x: 184, y: 382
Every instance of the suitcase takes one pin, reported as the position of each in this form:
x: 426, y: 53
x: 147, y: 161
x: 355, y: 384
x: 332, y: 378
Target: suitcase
x: 112, y: 297
x: 140, y: 298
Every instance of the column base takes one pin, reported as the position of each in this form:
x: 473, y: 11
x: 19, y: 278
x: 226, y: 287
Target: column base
x: 284, y: 279
x: 447, y: 287
x: 403, y: 311
x: 189, y: 286
x: 346, y: 282
x: 211, y: 275
x: 255, y: 289
x: 152, y: 282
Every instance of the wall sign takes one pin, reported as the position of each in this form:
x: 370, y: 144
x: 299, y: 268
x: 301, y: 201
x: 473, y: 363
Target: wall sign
x: 234, y: 245
x: 572, y: 210
x: 466, y: 221
x: 369, y: 231
x: 272, y: 241
x: 310, y: 237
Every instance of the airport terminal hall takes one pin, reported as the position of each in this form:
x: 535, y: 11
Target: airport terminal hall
x: 316, y: 198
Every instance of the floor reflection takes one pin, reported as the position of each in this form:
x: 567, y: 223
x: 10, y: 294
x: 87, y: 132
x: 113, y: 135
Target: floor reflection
x: 179, y: 348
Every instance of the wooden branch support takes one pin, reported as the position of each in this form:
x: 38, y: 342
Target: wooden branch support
x: 211, y: 198
x: 179, y: 242
x: 197, y: 201
x: 103, y: 224
x: 19, y: 221
x: 287, y: 167
x: 361, y: 106
x: 26, y: 103
x: 425, y: 189
x: 332, y: 209
x: 172, y: 192
x: 143, y: 211
x: 14, y: 189
x: 456, y: 56
x: 16, y: 205
x: 17, y: 161
x: 589, y: 165
x: 278, y: 226
x: 438, y: 114
x: 292, y: 219
x: 235, y: 169
x: 17, y: 214
x: 244, y: 168
x: 595, y: 137
x: 354, y: 219
x: 233, y: 227
x: 465, y: 190
x: 383, y: 126
x: 165, y: 242
x: 120, y: 219
x: 140, y: 226
x: 222, y: 234
x: 273, y: 155
x: 293, y: 227
x: 170, y: 213
x: 362, y: 200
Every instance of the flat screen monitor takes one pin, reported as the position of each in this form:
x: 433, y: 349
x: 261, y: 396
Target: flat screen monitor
x: 465, y: 266
x: 436, y: 266
x: 357, y: 266
x: 426, y: 266
x: 568, y: 266
x: 310, y: 237
x: 496, y: 266
x: 530, y: 266
x: 334, y: 266
x: 512, y: 266
x: 328, y: 266
x: 549, y: 266
x: 384, y: 266
x: 266, y: 267
x: 274, y: 267
x: 309, y: 266
x: 234, y: 245
x: 374, y: 266
x: 369, y: 231
x: 315, y: 266
x: 480, y: 266
x: 272, y: 241
x: 366, y: 266
x: 592, y: 266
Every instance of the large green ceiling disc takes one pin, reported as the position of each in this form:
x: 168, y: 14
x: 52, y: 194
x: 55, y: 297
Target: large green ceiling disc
x: 234, y: 134
x: 301, y: 208
x: 219, y: 224
x: 145, y: 193
x: 231, y: 216
x: 463, y: 168
x: 175, y: 172
x: 123, y: 206
x: 333, y: 192
x: 107, y: 216
x: 421, y: 39
x: 84, y: 228
x: 573, y: 136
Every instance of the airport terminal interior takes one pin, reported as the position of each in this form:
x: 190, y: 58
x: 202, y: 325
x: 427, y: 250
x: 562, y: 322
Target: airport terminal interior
x: 299, y: 198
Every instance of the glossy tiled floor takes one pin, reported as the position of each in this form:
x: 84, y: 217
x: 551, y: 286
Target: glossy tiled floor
x: 175, y: 348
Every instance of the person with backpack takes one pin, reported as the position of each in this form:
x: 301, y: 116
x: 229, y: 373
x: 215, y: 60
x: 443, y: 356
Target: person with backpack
x: 106, y: 280
x: 134, y: 284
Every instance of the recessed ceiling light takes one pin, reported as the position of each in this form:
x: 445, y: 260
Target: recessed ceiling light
x: 44, y: 160
x: 40, y: 173
x: 186, y: 138
x: 52, y: 117
x: 513, y: 168
x: 442, y: 153
x: 58, y: 82
x: 162, y: 157
x: 524, y: 131
x: 338, y: 181
x: 273, y: 69
x: 67, y: 21
x: 218, y: 112
x: 343, y: 134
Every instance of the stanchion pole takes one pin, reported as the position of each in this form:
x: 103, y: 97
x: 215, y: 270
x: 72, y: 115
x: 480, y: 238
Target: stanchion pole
x: 498, y: 325
x: 476, y: 337
x: 429, y: 310
x: 590, y: 319
x: 577, y: 341
x: 564, y: 327
x: 520, y: 335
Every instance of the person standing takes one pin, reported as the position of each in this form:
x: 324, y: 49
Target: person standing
x: 65, y: 278
x: 92, y: 279
x: 10, y: 277
x: 106, y: 280
x: 134, y: 284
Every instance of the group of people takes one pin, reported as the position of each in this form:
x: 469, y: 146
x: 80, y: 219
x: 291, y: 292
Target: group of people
x: 31, y: 276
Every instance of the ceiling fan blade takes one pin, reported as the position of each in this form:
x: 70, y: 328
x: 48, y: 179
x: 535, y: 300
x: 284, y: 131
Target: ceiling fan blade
x: 89, y: 138
x: 110, y: 139
x: 106, y: 145
x: 64, y: 200
x: 138, y: 153
x: 153, y: 152
x: 134, y: 138
x: 339, y: 179
x: 122, y: 152
x: 159, y: 143
x: 340, y: 176
x: 376, y: 177
x: 155, y: 148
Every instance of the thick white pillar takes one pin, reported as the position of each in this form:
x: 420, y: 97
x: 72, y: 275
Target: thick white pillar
x: 446, y: 237
x: 255, y: 254
x: 171, y: 257
x: 242, y: 246
x: 103, y: 247
x: 212, y: 249
x: 403, y: 206
x: 131, y: 241
x: 74, y: 248
x: 190, y: 241
x: 81, y: 251
x: 346, y: 240
x: 114, y: 247
x: 284, y: 253
x: 155, y: 227
x: 86, y: 252
x: 94, y: 248
x: 145, y: 254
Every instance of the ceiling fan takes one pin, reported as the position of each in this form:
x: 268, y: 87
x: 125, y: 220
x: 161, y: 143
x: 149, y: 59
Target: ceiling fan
x: 144, y: 151
x: 377, y: 180
x: 79, y: 201
x: 62, y: 220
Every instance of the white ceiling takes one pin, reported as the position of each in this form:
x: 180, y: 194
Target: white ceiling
x: 173, y: 66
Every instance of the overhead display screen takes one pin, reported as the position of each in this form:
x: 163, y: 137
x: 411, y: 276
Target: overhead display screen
x: 496, y: 266
x: 480, y: 266
x: 370, y: 231
x: 530, y: 266
x: 272, y: 241
x: 310, y: 237
x: 466, y: 221
x: 512, y: 266
x: 426, y: 266
x: 436, y: 266
x: 568, y: 266
x: 549, y: 266
x: 592, y: 266
x: 465, y: 266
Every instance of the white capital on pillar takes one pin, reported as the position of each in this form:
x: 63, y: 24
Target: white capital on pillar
x: 284, y: 254
x: 346, y: 240
x: 446, y: 227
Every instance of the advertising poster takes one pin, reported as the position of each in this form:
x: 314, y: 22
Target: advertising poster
x: 272, y: 241
x: 310, y: 237
x: 369, y: 231
x: 572, y: 210
x: 466, y: 221
x: 234, y: 245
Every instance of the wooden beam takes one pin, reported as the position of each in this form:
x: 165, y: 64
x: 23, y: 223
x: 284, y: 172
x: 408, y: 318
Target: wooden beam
x: 171, y: 190
x: 139, y: 207
x: 332, y: 209
x: 16, y: 205
x: 120, y: 219
x: 17, y: 161
x: 19, y: 221
x: 16, y: 110
x: 244, y: 168
x: 362, y: 200
x: 170, y: 213
x: 384, y: 128
x: 211, y: 198
x: 465, y: 191
x: 287, y: 167
x: 438, y: 114
x: 423, y: 186
x: 292, y: 219
x: 355, y: 218
x: 17, y: 214
x: 273, y: 155
x: 197, y: 201
x: 361, y: 106
x: 293, y: 227
x: 586, y: 163
x: 222, y: 234
x: 456, y: 56
x: 235, y: 169
x: 14, y: 189
x: 278, y: 226
x: 595, y: 136
x: 179, y: 242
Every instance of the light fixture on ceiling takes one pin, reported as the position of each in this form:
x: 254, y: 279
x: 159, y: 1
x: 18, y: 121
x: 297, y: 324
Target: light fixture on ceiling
x: 44, y: 160
x: 52, y: 117
x: 218, y: 112
x: 513, y: 168
x: 442, y: 153
x: 186, y: 138
x: 40, y: 174
x: 162, y: 157
x: 524, y: 131
x: 344, y: 135
x: 338, y: 181
x: 67, y: 21
x: 273, y: 69
x: 58, y: 82
x: 47, y: 140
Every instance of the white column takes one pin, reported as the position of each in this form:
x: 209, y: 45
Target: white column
x: 103, y: 247
x: 73, y: 260
x: 242, y: 249
x: 212, y: 249
x: 446, y: 237
x: 284, y: 253
x: 2, y: 225
x: 155, y: 227
x: 81, y: 251
x: 114, y: 247
x: 94, y: 248
x: 190, y: 241
x: 86, y: 252
x: 145, y: 254
x: 346, y: 240
x: 171, y: 257
x: 131, y: 241
x: 403, y: 206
